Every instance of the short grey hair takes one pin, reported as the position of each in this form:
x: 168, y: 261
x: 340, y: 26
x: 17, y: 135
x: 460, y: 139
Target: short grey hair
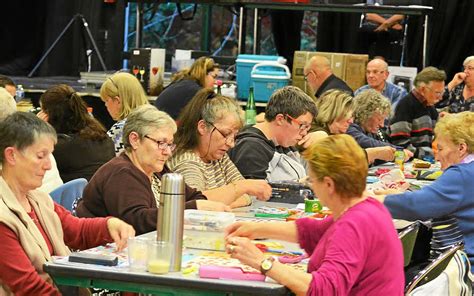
x: 21, y: 130
x: 289, y: 100
x: 144, y: 120
x: 429, y: 74
x: 7, y: 103
x: 468, y: 60
x: 369, y: 102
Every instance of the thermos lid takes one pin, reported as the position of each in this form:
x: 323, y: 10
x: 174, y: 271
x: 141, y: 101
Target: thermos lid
x: 172, y: 184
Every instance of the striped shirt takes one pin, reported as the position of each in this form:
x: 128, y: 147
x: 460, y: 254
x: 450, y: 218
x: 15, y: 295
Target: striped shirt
x: 204, y: 176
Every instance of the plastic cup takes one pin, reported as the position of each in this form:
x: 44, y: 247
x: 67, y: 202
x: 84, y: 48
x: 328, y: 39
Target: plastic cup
x: 159, y: 256
x: 138, y: 253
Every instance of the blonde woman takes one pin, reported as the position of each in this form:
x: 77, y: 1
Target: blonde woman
x: 185, y: 84
x: 335, y: 115
x: 121, y: 93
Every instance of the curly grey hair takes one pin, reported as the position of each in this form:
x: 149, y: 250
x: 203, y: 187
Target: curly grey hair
x: 369, y: 102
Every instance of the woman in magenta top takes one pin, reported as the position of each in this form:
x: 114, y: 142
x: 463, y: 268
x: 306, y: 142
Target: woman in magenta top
x: 356, y: 251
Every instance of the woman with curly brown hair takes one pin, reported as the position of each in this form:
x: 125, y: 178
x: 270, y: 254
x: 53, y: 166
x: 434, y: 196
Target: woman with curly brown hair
x: 83, y: 145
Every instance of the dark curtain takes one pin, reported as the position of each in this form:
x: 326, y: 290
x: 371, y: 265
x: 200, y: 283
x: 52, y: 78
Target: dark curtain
x: 450, y: 38
x: 31, y: 26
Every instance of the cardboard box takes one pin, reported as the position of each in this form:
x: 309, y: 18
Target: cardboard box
x: 349, y: 67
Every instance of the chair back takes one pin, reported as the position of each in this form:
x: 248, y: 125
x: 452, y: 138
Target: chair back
x: 408, y: 239
x: 67, y: 193
x: 434, y: 269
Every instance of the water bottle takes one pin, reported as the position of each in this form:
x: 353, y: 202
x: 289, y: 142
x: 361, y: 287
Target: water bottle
x: 20, y: 93
x: 171, y: 216
x: 400, y: 158
x: 250, y: 109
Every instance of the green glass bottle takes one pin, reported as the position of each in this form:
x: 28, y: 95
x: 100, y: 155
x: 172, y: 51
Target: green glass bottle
x: 250, y: 110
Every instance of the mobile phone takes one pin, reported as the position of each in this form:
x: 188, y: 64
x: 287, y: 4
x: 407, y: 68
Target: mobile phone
x: 98, y: 259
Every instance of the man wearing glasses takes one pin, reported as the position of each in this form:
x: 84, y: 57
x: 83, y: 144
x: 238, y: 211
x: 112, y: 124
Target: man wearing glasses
x: 376, y: 75
x: 319, y: 77
x: 266, y: 150
x: 415, y: 115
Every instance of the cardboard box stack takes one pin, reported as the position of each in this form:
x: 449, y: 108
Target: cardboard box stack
x: 349, y: 67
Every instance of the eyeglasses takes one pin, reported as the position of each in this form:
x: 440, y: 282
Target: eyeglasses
x: 213, y: 75
x: 469, y: 68
x: 438, y: 93
x: 162, y: 145
x: 229, y: 138
x: 301, y: 126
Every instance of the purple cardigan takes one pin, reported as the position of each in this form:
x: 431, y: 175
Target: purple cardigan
x: 359, y: 254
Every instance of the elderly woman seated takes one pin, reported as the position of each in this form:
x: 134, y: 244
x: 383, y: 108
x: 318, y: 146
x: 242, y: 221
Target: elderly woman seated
x: 449, y: 198
x: 348, y: 255
x: 335, y: 114
x: 128, y: 186
x: 32, y: 227
x: 459, y: 93
x: 371, y: 110
x: 207, y: 130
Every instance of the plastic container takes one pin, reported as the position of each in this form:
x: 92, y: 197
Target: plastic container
x: 266, y: 77
x: 205, y: 229
x: 244, y: 65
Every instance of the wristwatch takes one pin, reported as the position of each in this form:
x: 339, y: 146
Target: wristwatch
x: 266, y: 264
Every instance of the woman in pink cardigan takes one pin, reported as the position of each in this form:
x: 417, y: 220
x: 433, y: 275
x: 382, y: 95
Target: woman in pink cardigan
x: 356, y: 251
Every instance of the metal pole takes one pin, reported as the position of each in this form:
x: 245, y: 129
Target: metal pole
x: 52, y: 46
x: 206, y: 27
x: 425, y: 42
x: 139, y: 26
x: 256, y: 31
x: 91, y: 38
x: 242, y: 29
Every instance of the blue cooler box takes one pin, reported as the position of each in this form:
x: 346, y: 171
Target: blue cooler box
x: 266, y: 77
x: 244, y: 65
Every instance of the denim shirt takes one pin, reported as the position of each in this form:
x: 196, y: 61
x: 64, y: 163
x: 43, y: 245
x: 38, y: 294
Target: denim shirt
x: 391, y: 91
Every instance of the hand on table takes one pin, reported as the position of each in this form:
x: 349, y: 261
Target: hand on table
x: 243, y: 249
x: 242, y: 229
x: 258, y: 188
x: 209, y: 205
x: 120, y: 232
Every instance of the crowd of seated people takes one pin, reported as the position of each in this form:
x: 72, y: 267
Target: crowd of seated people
x: 329, y: 139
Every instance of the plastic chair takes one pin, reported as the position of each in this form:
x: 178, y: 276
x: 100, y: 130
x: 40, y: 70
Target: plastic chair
x: 434, y: 269
x: 408, y: 239
x: 67, y: 193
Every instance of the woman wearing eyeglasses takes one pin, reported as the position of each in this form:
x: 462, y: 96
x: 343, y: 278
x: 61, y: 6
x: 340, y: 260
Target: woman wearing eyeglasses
x: 128, y: 186
x: 207, y: 130
x: 185, y: 84
x: 459, y: 93
x: 335, y: 115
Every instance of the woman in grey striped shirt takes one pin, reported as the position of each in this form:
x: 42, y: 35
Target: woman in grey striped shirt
x: 207, y: 130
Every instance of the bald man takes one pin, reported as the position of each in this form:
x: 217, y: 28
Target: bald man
x: 376, y: 75
x: 318, y: 75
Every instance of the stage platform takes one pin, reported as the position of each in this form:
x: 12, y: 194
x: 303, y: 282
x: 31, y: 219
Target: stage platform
x: 36, y: 86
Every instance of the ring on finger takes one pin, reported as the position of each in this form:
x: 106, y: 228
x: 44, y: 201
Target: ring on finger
x: 232, y: 248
